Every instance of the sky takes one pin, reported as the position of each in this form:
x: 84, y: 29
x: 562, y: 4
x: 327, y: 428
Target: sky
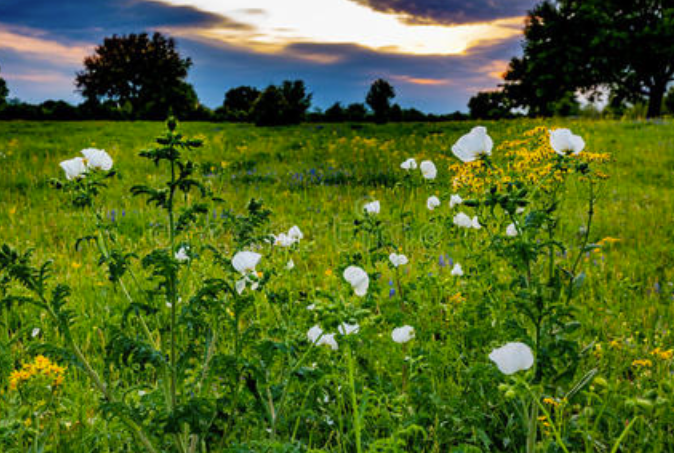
x: 436, y: 53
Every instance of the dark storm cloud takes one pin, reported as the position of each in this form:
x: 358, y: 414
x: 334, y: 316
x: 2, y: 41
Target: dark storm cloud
x: 452, y: 11
x: 92, y: 19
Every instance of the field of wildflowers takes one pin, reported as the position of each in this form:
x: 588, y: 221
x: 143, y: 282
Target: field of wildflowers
x: 431, y: 287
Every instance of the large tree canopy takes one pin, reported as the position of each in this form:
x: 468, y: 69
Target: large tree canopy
x: 4, y: 92
x: 143, y: 74
x: 626, y: 46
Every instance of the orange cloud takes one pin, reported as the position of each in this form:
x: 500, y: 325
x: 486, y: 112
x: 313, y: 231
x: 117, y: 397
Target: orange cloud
x: 495, y: 69
x: 421, y: 81
x: 28, y: 42
x: 53, y: 77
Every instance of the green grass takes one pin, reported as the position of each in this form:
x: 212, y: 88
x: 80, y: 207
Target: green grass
x: 318, y: 177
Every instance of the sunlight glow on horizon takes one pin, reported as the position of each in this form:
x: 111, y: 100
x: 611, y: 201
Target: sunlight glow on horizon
x: 270, y: 25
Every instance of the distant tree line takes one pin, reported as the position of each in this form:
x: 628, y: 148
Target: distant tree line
x: 137, y: 77
x: 622, y: 50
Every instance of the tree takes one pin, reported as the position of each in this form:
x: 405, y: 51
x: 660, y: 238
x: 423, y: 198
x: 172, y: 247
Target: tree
x: 297, y: 100
x: 335, y: 113
x: 4, y: 92
x: 141, y: 74
x: 283, y: 105
x: 669, y: 101
x: 489, y: 105
x: 548, y: 70
x: 626, y: 46
x: 379, y: 99
x: 239, y: 103
x: 269, y: 107
x: 356, y: 112
x: 396, y: 113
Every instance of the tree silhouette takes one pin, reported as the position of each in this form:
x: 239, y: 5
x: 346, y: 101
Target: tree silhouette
x: 142, y: 75
x: 590, y: 45
x: 283, y: 105
x: 269, y: 107
x: 334, y: 113
x: 239, y: 103
x: 4, y: 92
x: 488, y: 105
x: 669, y: 101
x: 297, y: 100
x: 356, y: 112
x: 379, y: 99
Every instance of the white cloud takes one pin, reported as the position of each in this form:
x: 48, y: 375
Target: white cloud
x: 339, y: 22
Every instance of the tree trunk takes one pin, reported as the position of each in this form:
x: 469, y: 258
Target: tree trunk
x: 656, y: 95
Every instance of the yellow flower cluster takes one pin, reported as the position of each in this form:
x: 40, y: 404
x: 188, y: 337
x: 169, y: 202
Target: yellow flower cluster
x: 456, y: 298
x: 474, y: 177
x: 42, y: 367
x: 530, y: 160
x: 554, y: 402
x: 662, y: 354
x: 544, y: 421
x: 608, y: 240
x: 642, y: 363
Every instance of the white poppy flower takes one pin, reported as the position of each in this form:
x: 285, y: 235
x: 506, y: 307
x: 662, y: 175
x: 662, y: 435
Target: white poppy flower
x: 473, y: 145
x: 358, y: 280
x: 245, y: 262
x: 314, y: 333
x: 428, y: 169
x: 462, y: 220
x: 564, y: 142
x: 432, y: 202
x: 240, y: 285
x: 181, y: 255
x: 328, y: 339
x: 409, y: 164
x: 373, y: 207
x: 455, y: 200
x: 295, y: 233
x: 348, y: 329
x: 290, y: 265
x: 398, y: 260
x: 97, y: 159
x: 512, y: 357
x: 402, y: 334
x: 74, y: 168
x: 457, y: 270
x: 475, y: 223
x: 283, y: 240
x: 511, y: 230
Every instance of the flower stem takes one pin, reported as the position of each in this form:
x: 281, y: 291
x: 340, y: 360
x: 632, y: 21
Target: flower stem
x: 354, y: 402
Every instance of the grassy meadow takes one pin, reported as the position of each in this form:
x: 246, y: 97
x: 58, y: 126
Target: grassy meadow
x: 436, y: 393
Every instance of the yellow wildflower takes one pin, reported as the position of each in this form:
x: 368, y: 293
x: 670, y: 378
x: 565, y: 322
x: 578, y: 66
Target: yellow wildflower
x: 662, y: 354
x: 642, y: 363
x: 551, y: 401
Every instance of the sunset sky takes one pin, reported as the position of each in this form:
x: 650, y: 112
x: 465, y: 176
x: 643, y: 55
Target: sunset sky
x: 436, y: 53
